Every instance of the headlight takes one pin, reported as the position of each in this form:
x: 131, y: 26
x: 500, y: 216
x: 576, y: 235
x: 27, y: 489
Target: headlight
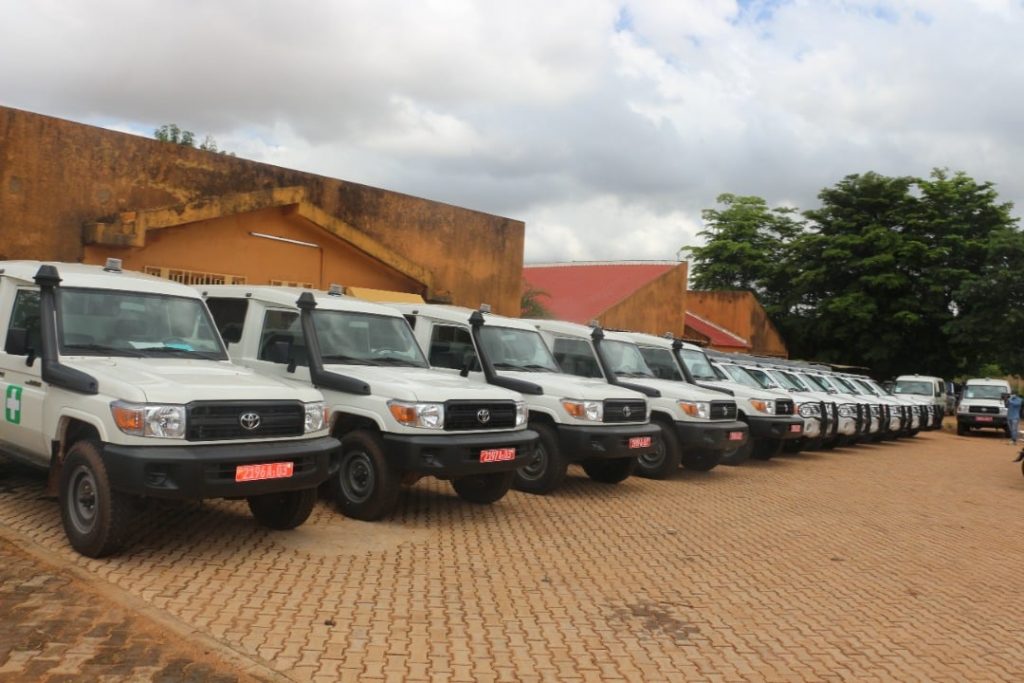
x: 764, y: 406
x: 521, y: 413
x: 424, y: 415
x: 592, y: 411
x: 847, y: 410
x: 161, y: 421
x: 316, y: 417
x: 698, y: 409
x: 809, y: 410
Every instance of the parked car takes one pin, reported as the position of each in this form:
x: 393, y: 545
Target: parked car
x: 983, y: 405
x: 586, y: 421
x: 118, y: 384
x: 932, y: 390
x: 697, y: 425
x: 398, y: 420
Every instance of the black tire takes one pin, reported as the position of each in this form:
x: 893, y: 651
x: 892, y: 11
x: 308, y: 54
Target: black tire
x: 95, y: 517
x: 814, y: 444
x: 738, y: 455
x: 701, y: 460
x: 962, y: 429
x: 546, y: 471
x: 664, y: 459
x: 366, y: 486
x: 766, y: 449
x: 483, y: 488
x: 283, y: 511
x: 793, y: 446
x: 609, y: 471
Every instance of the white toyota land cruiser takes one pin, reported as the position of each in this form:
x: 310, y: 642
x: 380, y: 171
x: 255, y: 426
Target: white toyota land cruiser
x: 697, y: 425
x: 398, y: 420
x: 119, y: 385
x: 602, y: 427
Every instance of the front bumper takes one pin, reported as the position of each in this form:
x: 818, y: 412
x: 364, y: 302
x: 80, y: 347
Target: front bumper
x: 198, y: 472
x: 457, y: 455
x: 972, y: 420
x: 605, y: 442
x: 775, y: 427
x: 718, y: 437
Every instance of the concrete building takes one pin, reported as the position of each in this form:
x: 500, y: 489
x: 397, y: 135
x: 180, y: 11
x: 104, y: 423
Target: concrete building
x: 71, y: 192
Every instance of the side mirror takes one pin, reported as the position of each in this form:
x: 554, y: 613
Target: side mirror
x: 468, y: 363
x: 278, y: 351
x: 17, y: 342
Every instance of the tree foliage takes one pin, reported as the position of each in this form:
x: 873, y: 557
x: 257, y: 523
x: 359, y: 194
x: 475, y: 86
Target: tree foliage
x: 172, y: 133
x: 530, y: 304
x: 899, y: 274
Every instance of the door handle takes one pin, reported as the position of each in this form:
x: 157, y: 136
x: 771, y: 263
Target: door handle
x: 33, y: 383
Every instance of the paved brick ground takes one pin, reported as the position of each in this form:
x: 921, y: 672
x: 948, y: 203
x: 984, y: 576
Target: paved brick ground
x: 884, y: 562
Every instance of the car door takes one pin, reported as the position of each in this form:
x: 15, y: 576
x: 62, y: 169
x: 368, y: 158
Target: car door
x: 21, y: 384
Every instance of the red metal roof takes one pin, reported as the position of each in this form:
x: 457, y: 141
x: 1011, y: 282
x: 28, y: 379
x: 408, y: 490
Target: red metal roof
x: 580, y: 292
x: 717, y: 335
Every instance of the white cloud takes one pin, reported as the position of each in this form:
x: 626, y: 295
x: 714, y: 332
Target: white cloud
x: 589, y: 119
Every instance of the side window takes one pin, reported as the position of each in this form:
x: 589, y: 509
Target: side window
x: 229, y: 315
x: 449, y: 346
x: 281, y: 340
x: 576, y: 358
x: 25, y: 316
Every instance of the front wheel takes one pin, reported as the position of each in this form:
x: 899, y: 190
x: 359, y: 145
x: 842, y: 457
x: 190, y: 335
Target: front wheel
x: 366, y: 486
x: 663, y: 459
x: 483, y: 488
x: 546, y: 470
x: 738, y: 455
x: 95, y: 517
x: 283, y: 511
x: 610, y: 471
x: 766, y: 449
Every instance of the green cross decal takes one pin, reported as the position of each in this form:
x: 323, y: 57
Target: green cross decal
x: 12, y: 404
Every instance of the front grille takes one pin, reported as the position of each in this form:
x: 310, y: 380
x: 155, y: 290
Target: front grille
x: 723, y: 410
x: 983, y: 409
x: 220, y: 471
x: 472, y: 415
x: 219, y: 420
x: 784, y: 406
x: 618, y: 410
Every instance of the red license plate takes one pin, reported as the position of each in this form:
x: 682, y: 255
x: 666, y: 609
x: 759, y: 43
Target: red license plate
x: 735, y: 436
x: 497, y: 454
x: 796, y: 428
x: 639, y: 442
x: 983, y: 419
x: 270, y: 470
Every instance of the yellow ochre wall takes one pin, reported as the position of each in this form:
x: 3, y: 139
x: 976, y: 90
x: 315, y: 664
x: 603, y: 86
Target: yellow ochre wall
x: 225, y: 246
x: 656, y: 308
x: 741, y: 313
x: 58, y: 176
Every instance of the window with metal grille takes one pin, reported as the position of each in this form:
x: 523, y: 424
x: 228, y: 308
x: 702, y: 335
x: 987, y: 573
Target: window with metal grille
x: 287, y: 283
x: 193, y: 277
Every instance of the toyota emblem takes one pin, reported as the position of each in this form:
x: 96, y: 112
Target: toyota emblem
x: 626, y: 412
x: 483, y: 416
x: 249, y: 421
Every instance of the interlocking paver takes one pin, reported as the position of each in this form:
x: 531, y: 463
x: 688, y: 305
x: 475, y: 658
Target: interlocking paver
x: 880, y: 562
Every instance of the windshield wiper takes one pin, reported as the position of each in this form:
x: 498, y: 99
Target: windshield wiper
x: 101, y: 348
x: 209, y: 355
x: 341, y: 358
x: 396, y: 361
x: 635, y: 374
x: 537, y: 368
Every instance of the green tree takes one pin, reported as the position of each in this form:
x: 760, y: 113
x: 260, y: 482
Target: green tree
x: 746, y: 246
x: 530, y: 305
x: 898, y: 274
x: 170, y: 132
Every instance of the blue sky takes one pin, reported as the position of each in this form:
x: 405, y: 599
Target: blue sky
x: 606, y: 126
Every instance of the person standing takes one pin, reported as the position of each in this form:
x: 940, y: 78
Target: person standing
x: 1013, y: 404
